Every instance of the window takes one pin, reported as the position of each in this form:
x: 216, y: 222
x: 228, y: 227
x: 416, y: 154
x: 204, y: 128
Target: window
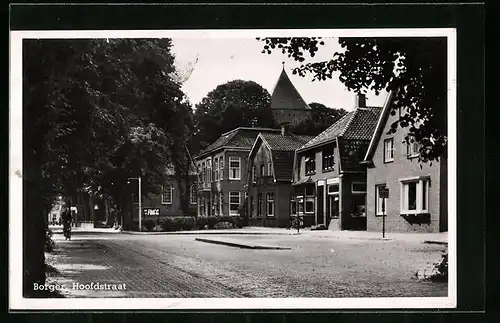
x: 310, y: 205
x: 270, y: 204
x: 203, y: 172
x: 310, y: 164
x: 254, y: 174
x: 166, y: 194
x: 194, y: 194
x: 309, y: 190
x: 234, y: 203
x: 358, y: 205
x: 259, y: 204
x: 216, y: 168
x: 412, y: 149
x: 221, y: 167
x: 328, y: 159
x: 414, y: 197
x: 221, y: 198
x: 269, y: 169
x: 234, y: 168
x: 359, y: 187
x: 261, y: 170
x: 380, y: 201
x: 209, y: 170
x: 389, y: 150
x: 333, y: 189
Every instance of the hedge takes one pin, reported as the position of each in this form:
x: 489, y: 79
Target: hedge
x: 185, y: 223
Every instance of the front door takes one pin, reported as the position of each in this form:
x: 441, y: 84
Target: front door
x: 320, y: 218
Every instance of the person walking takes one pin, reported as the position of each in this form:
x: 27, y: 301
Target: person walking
x: 67, y: 219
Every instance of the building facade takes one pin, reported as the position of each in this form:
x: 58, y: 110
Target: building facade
x: 417, y: 200
x: 329, y: 182
x: 168, y: 202
x: 269, y: 178
x: 221, y: 168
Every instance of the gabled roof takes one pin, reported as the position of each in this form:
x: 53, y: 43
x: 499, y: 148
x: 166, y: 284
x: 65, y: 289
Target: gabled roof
x: 242, y: 137
x: 285, y: 96
x: 379, y: 127
x: 288, y: 142
x: 282, y: 149
x: 358, y: 124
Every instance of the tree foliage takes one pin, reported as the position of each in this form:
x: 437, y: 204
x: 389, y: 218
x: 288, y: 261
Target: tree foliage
x: 414, y: 69
x: 322, y: 117
x: 233, y: 104
x: 96, y: 112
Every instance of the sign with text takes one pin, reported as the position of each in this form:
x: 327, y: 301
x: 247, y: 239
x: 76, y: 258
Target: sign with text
x: 151, y: 211
x: 383, y: 193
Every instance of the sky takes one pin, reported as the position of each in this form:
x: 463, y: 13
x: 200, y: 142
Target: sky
x: 219, y: 60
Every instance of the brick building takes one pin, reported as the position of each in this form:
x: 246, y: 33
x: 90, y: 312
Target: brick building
x: 329, y: 185
x: 417, y: 192
x: 222, y: 167
x: 269, y: 178
x: 168, y: 201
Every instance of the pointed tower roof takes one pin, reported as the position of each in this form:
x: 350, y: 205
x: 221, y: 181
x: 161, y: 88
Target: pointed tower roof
x: 285, y: 96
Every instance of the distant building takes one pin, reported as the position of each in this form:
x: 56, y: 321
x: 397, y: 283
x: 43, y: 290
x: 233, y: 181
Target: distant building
x: 287, y: 104
x: 329, y: 185
x: 222, y: 168
x: 417, y: 192
x: 269, y: 178
x: 169, y: 200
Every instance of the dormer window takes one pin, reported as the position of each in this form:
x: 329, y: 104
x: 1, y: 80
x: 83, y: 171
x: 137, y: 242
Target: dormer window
x: 328, y: 159
x: 310, y: 163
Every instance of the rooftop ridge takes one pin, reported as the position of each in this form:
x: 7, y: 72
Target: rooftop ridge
x: 250, y: 128
x: 349, y: 123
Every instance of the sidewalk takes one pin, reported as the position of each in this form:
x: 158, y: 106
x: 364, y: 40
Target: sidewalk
x: 438, y: 238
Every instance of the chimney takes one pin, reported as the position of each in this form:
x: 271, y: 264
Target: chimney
x: 283, y: 129
x: 360, y: 101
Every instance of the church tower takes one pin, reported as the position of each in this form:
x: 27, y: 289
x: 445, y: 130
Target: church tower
x: 288, y: 106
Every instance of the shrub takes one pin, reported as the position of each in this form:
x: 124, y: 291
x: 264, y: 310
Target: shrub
x: 148, y: 225
x: 441, y: 269
x: 50, y: 245
x: 178, y: 223
x: 219, y: 222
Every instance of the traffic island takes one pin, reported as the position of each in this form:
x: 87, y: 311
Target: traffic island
x: 241, y: 245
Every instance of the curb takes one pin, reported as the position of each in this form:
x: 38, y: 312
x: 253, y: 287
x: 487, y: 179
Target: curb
x: 209, y: 232
x: 240, y: 245
x: 435, y: 242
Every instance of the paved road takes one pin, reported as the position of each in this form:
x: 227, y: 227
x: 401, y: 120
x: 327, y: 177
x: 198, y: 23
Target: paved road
x: 179, y: 266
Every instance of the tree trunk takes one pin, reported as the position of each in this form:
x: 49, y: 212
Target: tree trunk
x: 34, y: 224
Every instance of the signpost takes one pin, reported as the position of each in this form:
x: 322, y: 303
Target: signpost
x: 150, y: 212
x: 383, y: 193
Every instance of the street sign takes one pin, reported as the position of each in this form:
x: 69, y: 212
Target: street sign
x: 383, y: 192
x: 151, y: 211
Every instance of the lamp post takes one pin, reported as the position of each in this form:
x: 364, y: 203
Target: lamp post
x: 140, y: 206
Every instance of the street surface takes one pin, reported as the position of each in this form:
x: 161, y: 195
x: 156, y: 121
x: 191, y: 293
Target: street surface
x: 165, y: 266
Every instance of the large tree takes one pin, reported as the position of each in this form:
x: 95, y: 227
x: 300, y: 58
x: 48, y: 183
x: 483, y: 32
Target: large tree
x: 233, y: 104
x: 95, y: 112
x: 322, y: 117
x: 414, y: 69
